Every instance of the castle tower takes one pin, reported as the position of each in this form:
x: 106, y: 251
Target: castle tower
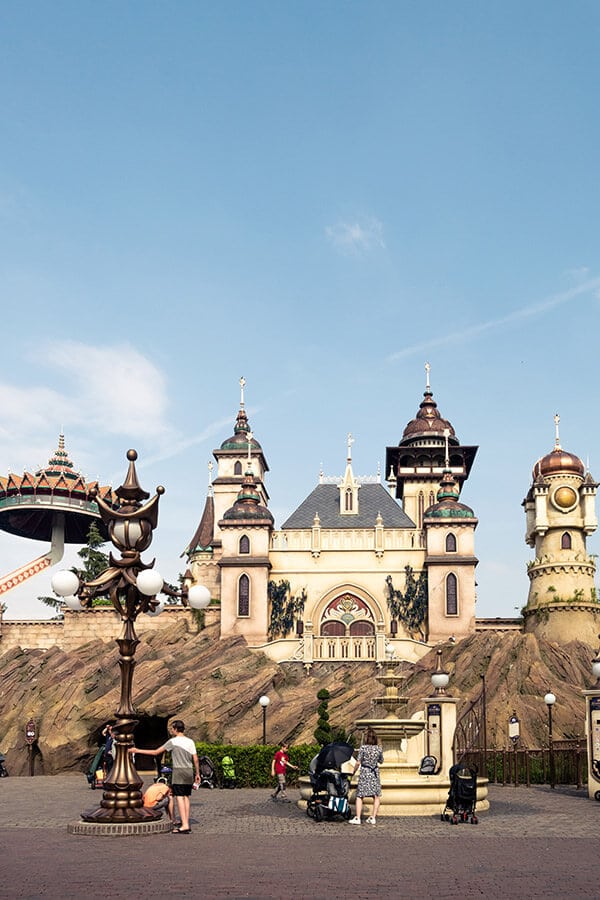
x: 560, y: 514
x: 246, y: 534
x: 416, y: 466
x: 450, y: 560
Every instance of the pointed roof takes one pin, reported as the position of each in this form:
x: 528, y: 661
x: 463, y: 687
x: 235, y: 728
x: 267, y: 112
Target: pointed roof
x: 29, y: 502
x: 205, y: 532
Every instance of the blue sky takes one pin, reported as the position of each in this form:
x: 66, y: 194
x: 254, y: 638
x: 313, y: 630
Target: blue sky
x: 320, y: 197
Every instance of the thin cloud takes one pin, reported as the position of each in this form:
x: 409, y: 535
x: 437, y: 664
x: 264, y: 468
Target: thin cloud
x: 526, y: 312
x: 357, y: 236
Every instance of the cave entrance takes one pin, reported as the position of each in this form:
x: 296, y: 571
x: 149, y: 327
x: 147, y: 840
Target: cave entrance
x: 151, y: 731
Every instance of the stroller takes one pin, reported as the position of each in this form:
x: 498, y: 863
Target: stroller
x: 207, y: 772
x: 95, y: 772
x: 3, y: 769
x: 462, y: 795
x: 228, y: 769
x: 329, y: 796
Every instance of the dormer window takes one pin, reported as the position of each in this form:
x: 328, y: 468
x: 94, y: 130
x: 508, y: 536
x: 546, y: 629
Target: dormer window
x: 348, y: 500
x: 349, y: 486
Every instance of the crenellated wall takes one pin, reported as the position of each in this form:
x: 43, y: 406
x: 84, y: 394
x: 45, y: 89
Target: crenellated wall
x: 79, y: 628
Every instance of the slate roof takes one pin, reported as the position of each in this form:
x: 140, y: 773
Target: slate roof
x: 372, y: 499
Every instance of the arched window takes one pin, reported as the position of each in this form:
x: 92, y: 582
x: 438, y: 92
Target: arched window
x: 450, y: 543
x: 565, y: 541
x: 451, y: 595
x: 333, y: 629
x: 244, y: 544
x: 431, y: 498
x: 244, y: 596
x: 237, y: 469
x: 421, y: 509
x: 348, y: 500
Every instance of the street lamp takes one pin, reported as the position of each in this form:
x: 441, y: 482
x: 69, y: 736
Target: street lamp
x: 550, y: 700
x: 439, y: 677
x: 264, y: 702
x: 133, y: 587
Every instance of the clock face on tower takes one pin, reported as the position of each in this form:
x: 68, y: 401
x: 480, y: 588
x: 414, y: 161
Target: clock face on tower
x: 564, y: 498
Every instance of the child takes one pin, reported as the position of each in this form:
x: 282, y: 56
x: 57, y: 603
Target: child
x: 279, y: 765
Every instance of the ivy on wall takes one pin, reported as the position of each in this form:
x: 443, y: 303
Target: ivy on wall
x: 286, y: 609
x: 409, y: 606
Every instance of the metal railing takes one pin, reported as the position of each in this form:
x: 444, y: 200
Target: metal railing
x: 527, y: 766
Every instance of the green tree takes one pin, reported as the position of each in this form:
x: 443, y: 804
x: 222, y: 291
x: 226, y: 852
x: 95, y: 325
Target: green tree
x: 285, y: 608
x: 409, y: 606
x: 323, y: 730
x: 94, y: 562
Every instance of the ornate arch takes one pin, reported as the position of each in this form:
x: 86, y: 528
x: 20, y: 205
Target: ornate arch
x: 345, y: 612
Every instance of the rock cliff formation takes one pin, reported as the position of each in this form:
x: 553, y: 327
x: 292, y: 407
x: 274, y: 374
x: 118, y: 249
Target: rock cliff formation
x: 214, y: 685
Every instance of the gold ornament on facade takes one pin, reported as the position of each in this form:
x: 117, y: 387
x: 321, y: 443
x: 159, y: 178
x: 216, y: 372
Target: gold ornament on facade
x: 564, y: 497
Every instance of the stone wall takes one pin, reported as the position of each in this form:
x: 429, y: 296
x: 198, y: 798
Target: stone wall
x: 79, y: 628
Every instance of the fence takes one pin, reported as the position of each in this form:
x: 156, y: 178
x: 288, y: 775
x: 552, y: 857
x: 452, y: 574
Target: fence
x: 522, y: 765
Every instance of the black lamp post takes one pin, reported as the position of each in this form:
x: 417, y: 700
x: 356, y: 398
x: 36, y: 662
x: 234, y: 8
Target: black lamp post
x: 133, y: 587
x: 550, y: 700
x: 264, y: 702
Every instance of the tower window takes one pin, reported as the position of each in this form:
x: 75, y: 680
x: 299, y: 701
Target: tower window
x: 450, y: 543
x: 237, y: 469
x: 244, y: 544
x: 565, y: 541
x: 244, y: 596
x: 451, y: 595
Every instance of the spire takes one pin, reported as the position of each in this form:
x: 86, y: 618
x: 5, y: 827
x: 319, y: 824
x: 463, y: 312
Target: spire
x: 242, y: 386
x: 557, y: 436
x: 204, y: 534
x: 427, y: 385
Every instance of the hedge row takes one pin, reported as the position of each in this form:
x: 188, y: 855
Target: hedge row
x: 253, y: 763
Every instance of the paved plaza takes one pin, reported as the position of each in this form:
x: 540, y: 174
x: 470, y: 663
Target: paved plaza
x: 533, y: 842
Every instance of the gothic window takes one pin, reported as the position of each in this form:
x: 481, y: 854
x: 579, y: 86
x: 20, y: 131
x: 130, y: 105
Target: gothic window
x: 451, y: 595
x: 357, y: 629
x: 421, y: 509
x: 237, y: 469
x: 244, y: 544
x: 450, y: 543
x: 431, y: 498
x: 244, y: 596
x: 333, y: 629
x: 348, y: 500
x: 565, y: 541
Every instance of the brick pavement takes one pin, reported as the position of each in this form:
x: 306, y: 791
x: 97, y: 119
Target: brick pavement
x: 533, y: 842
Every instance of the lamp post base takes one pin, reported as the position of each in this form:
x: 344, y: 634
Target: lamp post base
x: 121, y: 829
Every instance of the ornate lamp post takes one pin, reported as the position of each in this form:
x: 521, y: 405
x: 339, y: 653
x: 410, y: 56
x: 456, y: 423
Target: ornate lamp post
x: 550, y: 700
x: 133, y: 587
x: 264, y: 702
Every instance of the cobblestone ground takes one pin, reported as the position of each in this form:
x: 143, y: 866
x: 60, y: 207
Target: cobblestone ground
x: 533, y: 842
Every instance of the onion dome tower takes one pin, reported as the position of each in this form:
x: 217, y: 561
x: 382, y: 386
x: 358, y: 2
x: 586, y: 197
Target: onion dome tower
x: 416, y: 465
x: 231, y: 464
x: 560, y: 514
x: 450, y: 561
x: 246, y: 536
x: 51, y: 505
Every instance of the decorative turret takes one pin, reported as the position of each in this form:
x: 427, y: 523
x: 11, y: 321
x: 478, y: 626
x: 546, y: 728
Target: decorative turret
x: 560, y: 513
x: 450, y: 560
x: 417, y: 464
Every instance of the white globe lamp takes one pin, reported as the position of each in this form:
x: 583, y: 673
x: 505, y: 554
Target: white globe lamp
x: 198, y: 596
x: 65, y: 583
x: 149, y: 582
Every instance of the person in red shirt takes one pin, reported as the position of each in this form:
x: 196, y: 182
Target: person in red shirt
x: 279, y: 766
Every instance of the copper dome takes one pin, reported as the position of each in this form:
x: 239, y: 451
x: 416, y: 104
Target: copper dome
x: 558, y: 462
x: 428, y: 420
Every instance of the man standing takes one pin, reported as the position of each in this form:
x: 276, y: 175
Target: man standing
x: 279, y: 765
x: 186, y: 772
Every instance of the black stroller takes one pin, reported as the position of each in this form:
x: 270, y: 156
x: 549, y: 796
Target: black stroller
x: 329, y: 796
x: 462, y: 795
x: 207, y: 773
